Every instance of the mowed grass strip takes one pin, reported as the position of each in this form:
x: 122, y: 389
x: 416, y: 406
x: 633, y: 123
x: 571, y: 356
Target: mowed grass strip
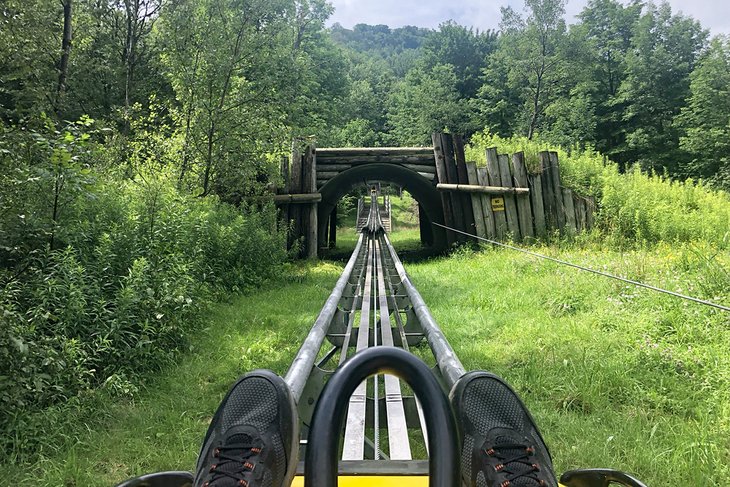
x: 615, y: 376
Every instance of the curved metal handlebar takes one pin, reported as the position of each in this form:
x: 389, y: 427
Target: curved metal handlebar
x: 320, y: 468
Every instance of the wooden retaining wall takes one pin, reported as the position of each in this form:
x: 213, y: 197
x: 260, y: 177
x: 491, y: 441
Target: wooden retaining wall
x: 503, y: 199
x: 499, y: 201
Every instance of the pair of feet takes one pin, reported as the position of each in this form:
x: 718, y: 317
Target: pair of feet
x: 253, y: 438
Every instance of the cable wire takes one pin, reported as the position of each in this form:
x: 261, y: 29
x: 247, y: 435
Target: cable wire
x: 588, y: 269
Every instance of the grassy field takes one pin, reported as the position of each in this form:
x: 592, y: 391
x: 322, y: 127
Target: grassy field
x: 616, y: 376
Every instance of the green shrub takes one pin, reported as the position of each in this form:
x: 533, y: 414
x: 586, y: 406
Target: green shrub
x: 104, y: 279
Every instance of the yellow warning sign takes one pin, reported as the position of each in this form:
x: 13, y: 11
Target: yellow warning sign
x: 498, y: 204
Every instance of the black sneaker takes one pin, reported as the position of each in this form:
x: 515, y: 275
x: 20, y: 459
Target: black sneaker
x: 253, y: 439
x: 502, y: 446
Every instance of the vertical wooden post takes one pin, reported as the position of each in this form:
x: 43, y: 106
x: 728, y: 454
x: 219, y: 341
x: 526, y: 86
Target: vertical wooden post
x: 456, y: 199
x: 295, y: 186
x: 519, y: 170
x: 284, y: 189
x: 476, y: 200
x: 510, y: 203
x: 489, y: 223
x: 537, y: 203
x: 425, y: 225
x: 580, y: 212
x: 463, y: 178
x: 309, y: 185
x: 571, y: 226
x: 590, y: 212
x: 333, y: 229
x: 438, y: 153
x: 547, y: 192
x: 557, y: 189
x: 495, y: 179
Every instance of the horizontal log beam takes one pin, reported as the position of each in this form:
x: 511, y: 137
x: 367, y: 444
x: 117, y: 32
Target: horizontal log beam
x: 431, y: 169
x: 472, y: 188
x: 366, y: 151
x: 297, y: 198
x: 332, y: 167
x: 385, y: 158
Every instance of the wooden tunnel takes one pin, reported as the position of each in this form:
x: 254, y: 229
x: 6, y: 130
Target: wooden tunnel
x: 498, y: 201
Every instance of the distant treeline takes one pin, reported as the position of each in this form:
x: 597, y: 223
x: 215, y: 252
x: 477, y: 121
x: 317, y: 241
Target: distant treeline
x: 637, y: 82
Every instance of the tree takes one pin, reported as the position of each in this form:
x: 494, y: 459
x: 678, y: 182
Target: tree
x: 705, y: 121
x: 426, y: 101
x: 463, y: 48
x: 663, y: 53
x: 65, y: 53
x: 529, y: 60
x: 29, y: 61
x: 605, y: 32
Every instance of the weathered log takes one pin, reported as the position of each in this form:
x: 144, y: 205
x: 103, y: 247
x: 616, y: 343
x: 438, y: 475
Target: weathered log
x: 366, y: 151
x: 383, y: 158
x: 456, y: 205
x: 295, y: 186
x: 537, y: 203
x: 557, y: 188
x: 298, y: 198
x: 483, y: 179
x: 495, y: 179
x: 463, y: 178
x: 519, y: 172
x: 476, y: 188
x: 309, y: 185
x: 510, y: 204
x: 438, y: 153
x: 476, y: 200
x: 331, y: 167
x: 427, y: 168
x: 571, y: 226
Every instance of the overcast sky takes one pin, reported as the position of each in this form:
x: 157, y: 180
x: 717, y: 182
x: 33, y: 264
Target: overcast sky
x: 484, y: 14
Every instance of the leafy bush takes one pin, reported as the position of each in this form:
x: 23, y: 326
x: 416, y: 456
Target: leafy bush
x: 634, y: 207
x: 102, y: 278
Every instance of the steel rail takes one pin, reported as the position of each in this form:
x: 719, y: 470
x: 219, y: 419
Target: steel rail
x: 296, y: 376
x: 448, y: 363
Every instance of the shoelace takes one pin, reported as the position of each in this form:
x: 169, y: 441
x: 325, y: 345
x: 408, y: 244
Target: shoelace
x: 515, y: 463
x: 235, y: 461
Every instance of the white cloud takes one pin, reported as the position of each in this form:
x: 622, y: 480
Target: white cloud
x: 485, y: 14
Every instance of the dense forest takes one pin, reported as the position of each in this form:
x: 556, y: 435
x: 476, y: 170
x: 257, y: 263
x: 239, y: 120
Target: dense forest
x: 136, y: 137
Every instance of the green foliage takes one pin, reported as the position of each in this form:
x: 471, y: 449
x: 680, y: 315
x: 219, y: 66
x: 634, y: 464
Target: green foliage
x: 464, y: 49
x: 425, y: 102
x: 664, y: 51
x: 705, y: 121
x: 650, y: 208
x: 103, y: 279
x: 530, y: 63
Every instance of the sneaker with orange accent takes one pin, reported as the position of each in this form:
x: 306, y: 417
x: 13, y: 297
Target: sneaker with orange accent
x: 502, y: 446
x: 253, y: 439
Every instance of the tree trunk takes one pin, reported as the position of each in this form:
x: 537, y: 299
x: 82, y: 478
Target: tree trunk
x: 65, y: 54
x: 209, y: 160
x: 129, y: 48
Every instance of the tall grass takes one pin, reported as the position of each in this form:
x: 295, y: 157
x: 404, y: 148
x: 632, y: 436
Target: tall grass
x: 634, y: 208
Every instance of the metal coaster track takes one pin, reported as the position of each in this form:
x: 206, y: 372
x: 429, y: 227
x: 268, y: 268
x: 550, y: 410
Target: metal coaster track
x: 365, y: 330
x: 373, y: 304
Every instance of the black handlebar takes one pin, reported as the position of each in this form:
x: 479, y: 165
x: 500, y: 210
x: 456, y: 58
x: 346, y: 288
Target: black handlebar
x: 321, y: 462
